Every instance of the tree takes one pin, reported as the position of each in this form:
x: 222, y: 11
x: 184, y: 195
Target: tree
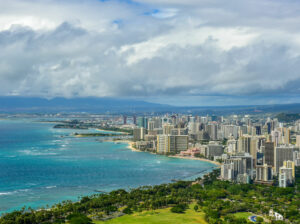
x: 180, y: 208
x: 196, y: 208
x: 127, y: 210
x: 76, y: 218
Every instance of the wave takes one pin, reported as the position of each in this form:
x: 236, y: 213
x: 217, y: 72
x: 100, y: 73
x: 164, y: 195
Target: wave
x: 50, y: 187
x: 13, y: 192
x: 9, y: 156
x: 6, y: 193
x: 37, y: 153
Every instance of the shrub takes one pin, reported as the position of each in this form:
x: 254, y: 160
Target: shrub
x: 180, y: 208
x: 79, y: 219
x: 127, y: 210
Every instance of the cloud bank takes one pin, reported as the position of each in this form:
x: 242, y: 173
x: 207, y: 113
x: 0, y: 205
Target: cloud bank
x: 150, y: 49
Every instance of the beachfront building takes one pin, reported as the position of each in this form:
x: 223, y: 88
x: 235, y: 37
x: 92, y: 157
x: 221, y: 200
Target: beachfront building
x: 214, y: 149
x: 139, y: 134
x: 190, y: 152
x: 171, y: 143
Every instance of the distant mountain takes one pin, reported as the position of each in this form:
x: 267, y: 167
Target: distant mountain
x: 245, y: 109
x: 92, y: 105
x: 128, y: 106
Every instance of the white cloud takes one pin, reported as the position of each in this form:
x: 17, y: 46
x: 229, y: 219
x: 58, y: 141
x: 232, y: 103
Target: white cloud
x: 189, y: 36
x: 111, y: 48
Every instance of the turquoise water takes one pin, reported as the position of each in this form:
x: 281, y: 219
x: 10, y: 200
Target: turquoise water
x: 39, y: 167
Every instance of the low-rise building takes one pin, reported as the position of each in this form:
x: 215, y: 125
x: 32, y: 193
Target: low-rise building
x: 275, y: 215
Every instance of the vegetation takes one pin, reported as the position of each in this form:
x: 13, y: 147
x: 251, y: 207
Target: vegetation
x: 199, y: 155
x: 217, y: 200
x: 71, y: 126
x: 283, y: 117
x: 129, y: 131
x: 76, y: 124
x: 179, y: 208
x: 97, y: 134
x: 160, y: 216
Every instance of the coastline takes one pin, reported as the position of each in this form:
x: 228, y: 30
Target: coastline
x: 121, y: 132
x: 195, y: 158
x: 131, y: 143
x: 129, y: 146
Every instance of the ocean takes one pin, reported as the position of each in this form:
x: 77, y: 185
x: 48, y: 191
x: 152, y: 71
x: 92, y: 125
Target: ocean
x: 41, y: 166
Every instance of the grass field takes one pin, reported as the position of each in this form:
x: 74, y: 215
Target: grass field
x: 242, y: 215
x: 159, y: 216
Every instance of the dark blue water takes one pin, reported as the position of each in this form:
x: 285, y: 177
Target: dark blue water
x: 39, y: 167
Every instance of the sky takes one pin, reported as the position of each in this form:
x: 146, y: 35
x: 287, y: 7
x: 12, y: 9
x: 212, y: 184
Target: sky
x: 178, y: 52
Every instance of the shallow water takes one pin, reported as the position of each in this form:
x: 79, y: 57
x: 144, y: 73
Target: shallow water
x: 39, y: 167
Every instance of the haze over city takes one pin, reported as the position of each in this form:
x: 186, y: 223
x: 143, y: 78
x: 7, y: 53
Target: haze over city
x: 175, y: 52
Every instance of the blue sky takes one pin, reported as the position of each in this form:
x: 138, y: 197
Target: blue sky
x: 192, y: 52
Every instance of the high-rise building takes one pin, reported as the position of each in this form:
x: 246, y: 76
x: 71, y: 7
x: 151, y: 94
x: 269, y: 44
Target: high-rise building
x: 214, y: 149
x: 276, y: 137
x: 258, y: 130
x: 286, y: 177
x: 242, y: 164
x: 269, y: 125
x: 243, y: 178
x: 232, y: 146
x: 124, y: 119
x: 268, y: 153
x: 171, y: 143
x: 230, y: 130
x: 212, y: 130
x: 227, y: 171
x: 179, y: 131
x: 264, y: 173
x: 139, y: 134
x: 193, y: 127
x: 151, y: 125
x: 282, y: 153
x: 290, y: 164
x: 142, y: 122
x: 298, y: 141
x: 286, y: 135
x: 244, y: 144
x: 167, y: 129
x: 296, y: 158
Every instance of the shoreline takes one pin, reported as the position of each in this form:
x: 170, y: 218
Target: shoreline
x: 121, y: 132
x: 130, y: 146
x: 195, y: 158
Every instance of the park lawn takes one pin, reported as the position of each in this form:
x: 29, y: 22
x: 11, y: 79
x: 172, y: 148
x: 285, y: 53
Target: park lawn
x: 160, y: 216
x: 242, y: 215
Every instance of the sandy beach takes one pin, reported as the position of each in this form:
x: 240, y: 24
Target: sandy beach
x: 195, y: 158
x: 120, y: 132
x: 131, y: 143
x: 130, y: 146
